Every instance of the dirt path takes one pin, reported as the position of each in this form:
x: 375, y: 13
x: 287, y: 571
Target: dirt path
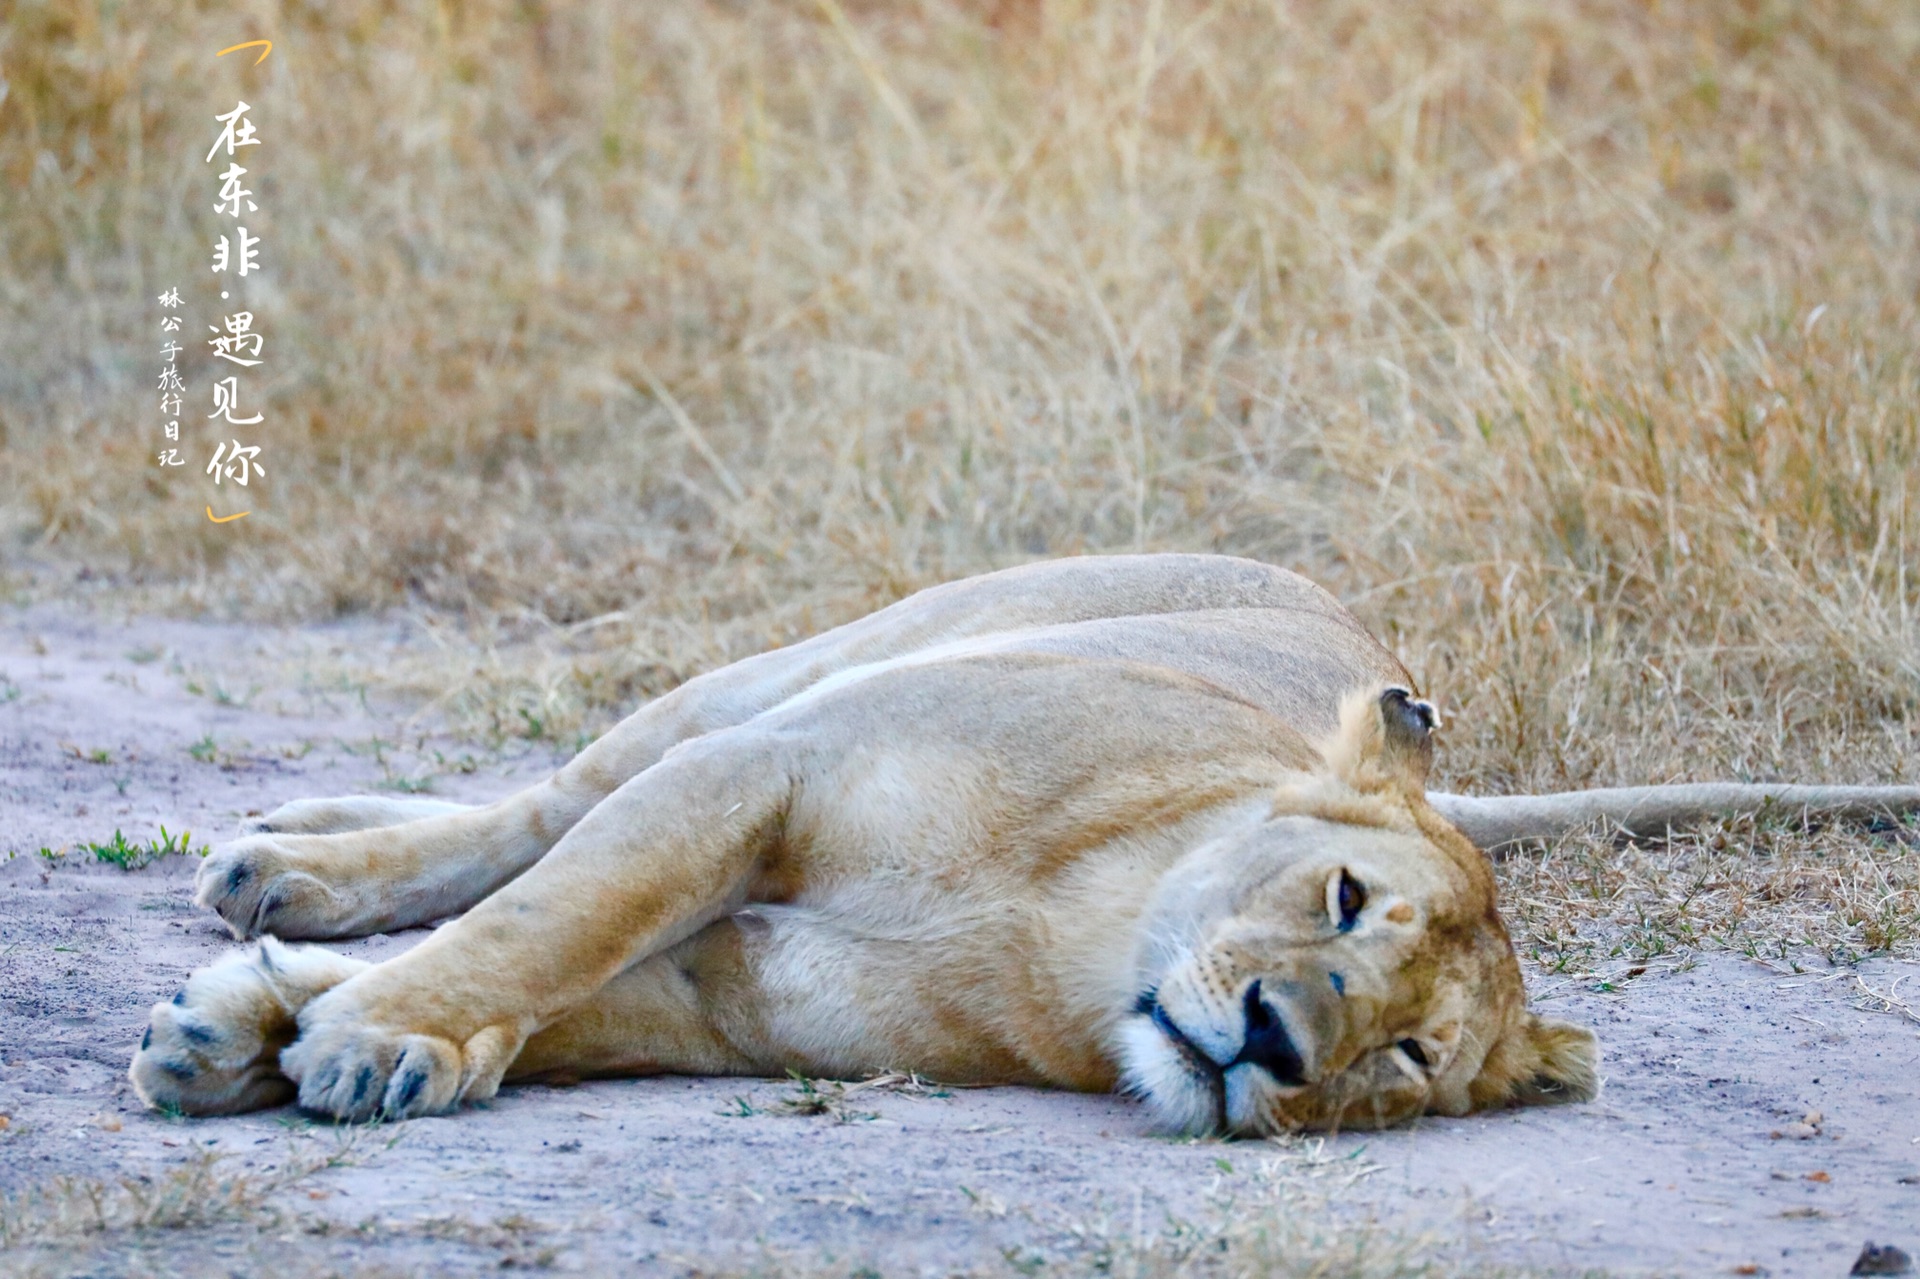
x: 1672, y: 1171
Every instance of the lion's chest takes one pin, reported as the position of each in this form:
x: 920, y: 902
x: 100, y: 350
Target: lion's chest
x: 853, y: 982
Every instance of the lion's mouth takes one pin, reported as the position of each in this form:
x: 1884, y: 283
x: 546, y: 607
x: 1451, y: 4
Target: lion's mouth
x: 1204, y: 1068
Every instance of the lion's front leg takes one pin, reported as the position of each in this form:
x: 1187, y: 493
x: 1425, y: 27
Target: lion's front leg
x: 665, y: 855
x: 352, y: 881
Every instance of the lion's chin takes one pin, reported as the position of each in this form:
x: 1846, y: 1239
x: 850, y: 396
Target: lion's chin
x: 1170, y: 1086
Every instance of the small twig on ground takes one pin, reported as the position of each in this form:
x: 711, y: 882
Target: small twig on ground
x: 1884, y: 1001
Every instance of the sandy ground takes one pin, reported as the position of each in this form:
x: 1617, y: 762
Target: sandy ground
x: 1676, y: 1169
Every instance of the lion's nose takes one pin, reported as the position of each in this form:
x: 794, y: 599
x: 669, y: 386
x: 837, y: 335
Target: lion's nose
x: 1268, y: 1045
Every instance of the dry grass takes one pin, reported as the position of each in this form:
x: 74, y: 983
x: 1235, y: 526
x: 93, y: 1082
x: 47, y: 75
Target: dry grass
x: 194, y: 1194
x: 1277, y: 1210
x: 1283, y: 1219
x: 1276, y: 1214
x: 1774, y: 891
x: 1575, y: 345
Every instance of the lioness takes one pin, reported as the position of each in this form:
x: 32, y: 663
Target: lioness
x: 1153, y: 822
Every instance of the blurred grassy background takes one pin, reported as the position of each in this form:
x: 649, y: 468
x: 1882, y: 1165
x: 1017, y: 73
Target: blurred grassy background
x: 1575, y: 345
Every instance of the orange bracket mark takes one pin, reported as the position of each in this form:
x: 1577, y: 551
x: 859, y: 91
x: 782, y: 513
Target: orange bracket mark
x: 251, y: 44
x: 225, y: 519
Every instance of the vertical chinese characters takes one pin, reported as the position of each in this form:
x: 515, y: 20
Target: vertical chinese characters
x: 234, y: 339
x: 171, y: 386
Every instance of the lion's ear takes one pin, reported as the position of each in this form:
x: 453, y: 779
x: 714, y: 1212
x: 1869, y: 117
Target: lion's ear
x: 1384, y: 740
x: 1539, y: 1063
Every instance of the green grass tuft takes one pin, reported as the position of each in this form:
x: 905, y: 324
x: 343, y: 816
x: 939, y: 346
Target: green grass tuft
x: 118, y: 851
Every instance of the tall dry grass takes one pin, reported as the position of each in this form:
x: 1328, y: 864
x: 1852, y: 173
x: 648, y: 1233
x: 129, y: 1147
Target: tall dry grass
x: 1574, y: 344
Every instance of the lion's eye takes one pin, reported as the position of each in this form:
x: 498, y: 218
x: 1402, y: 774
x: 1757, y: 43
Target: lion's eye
x: 1346, y: 898
x: 1415, y: 1053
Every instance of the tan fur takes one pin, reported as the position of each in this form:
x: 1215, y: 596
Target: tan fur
x: 1082, y: 824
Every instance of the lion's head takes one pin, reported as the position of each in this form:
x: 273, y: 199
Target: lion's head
x: 1344, y: 965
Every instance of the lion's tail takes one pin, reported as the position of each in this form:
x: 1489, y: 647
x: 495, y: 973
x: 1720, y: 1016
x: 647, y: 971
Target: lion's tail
x: 1498, y: 822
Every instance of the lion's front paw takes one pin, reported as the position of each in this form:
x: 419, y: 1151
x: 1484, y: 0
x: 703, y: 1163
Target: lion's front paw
x: 365, y: 1073
x: 260, y: 886
x: 214, y: 1049
x: 356, y: 1070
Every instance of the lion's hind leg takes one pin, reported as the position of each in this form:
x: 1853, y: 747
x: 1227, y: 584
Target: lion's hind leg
x: 347, y: 813
x: 214, y: 1048
x: 653, y: 1019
